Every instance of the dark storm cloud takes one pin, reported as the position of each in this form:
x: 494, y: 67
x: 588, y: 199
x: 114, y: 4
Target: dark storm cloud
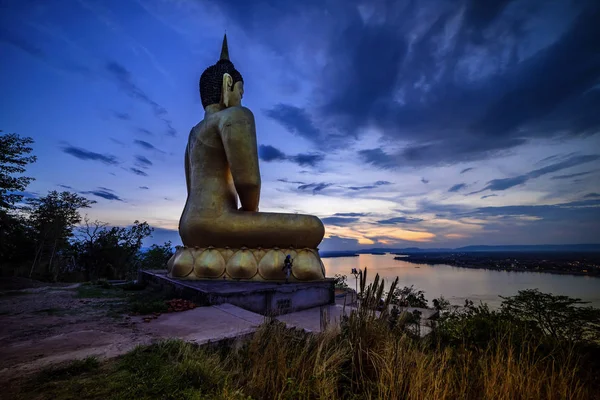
x: 400, y: 220
x: 138, y: 171
x: 569, y: 176
x: 144, y: 187
x: 489, y: 195
x: 507, y: 183
x: 425, y: 181
x: 457, y: 81
x: 314, y: 187
x: 269, y: 153
x: 104, y: 193
x: 466, y: 170
x: 338, y: 221
x: 88, y: 155
x: 457, y: 187
x: 295, y: 119
x: 592, y: 196
x: 142, y: 162
x: 124, y: 79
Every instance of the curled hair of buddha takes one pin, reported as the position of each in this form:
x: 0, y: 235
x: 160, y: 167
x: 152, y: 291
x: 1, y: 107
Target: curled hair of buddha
x: 211, y: 80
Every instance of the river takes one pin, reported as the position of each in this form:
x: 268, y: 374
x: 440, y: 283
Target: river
x: 457, y: 284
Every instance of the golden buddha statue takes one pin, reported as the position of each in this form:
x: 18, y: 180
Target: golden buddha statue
x: 222, y: 241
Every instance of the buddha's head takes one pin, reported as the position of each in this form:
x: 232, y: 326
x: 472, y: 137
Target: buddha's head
x: 222, y: 83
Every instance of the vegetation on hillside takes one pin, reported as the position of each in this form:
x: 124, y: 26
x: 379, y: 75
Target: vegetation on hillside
x: 45, y: 236
x: 516, y: 352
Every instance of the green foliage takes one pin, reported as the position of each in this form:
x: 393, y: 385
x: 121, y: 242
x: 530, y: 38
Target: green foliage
x: 110, y: 253
x: 340, y: 281
x: 72, y: 369
x: 13, y: 159
x: 441, y: 304
x: 408, y: 296
x: 52, y: 219
x: 561, y: 317
x: 156, y: 256
x: 15, y: 236
x: 98, y: 292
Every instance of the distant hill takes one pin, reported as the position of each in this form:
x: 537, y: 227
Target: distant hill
x: 471, y: 249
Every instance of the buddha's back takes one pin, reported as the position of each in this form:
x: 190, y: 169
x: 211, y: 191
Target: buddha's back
x: 210, y: 185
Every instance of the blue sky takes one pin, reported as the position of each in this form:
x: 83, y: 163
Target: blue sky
x: 399, y: 123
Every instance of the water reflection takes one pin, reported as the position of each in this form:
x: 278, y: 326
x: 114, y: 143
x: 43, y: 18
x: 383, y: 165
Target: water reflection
x: 458, y: 284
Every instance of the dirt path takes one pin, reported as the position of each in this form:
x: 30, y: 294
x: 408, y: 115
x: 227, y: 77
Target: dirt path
x: 44, y: 325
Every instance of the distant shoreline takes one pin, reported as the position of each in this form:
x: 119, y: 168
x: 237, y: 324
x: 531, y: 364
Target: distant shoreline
x: 548, y: 262
x: 573, y: 265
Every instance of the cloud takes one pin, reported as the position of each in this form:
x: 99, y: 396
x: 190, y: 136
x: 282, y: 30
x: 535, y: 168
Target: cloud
x: 569, y: 176
x: 457, y: 187
x: 145, y: 131
x: 507, y: 183
x: 425, y: 181
x: 138, y: 172
x: 88, y: 155
x: 269, y: 153
x: 379, y: 158
x: 351, y: 214
x: 60, y: 64
x: 288, y: 181
x: 449, y: 83
x: 373, y: 186
x: 339, y: 221
x: 142, y: 162
x: 315, y: 187
x: 123, y: 78
x: 122, y: 116
x: 104, y: 193
x: 488, y: 195
x: 65, y: 187
x: 144, y: 144
x: 400, y: 220
x: 295, y: 119
x: 466, y: 170
x: 591, y: 196
x: 307, y: 159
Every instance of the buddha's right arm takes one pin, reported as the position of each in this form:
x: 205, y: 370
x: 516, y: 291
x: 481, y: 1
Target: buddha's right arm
x: 187, y: 168
x: 239, y: 140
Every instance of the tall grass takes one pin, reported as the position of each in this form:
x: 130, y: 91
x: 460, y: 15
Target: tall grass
x: 363, y: 358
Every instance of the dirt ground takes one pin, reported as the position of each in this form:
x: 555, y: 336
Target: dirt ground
x: 43, y: 324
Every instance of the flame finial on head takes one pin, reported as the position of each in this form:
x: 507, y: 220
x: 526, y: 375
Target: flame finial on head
x: 224, y: 49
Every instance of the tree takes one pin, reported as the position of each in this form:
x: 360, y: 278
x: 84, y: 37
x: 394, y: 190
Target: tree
x: 156, y: 256
x: 13, y: 159
x: 408, y: 296
x: 560, y: 317
x: 112, y: 253
x: 52, y: 219
x: 15, y: 237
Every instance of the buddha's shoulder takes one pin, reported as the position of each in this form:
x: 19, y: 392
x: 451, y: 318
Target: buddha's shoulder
x: 233, y: 114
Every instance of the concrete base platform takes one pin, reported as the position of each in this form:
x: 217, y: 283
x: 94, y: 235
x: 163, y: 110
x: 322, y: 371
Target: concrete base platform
x: 265, y: 298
